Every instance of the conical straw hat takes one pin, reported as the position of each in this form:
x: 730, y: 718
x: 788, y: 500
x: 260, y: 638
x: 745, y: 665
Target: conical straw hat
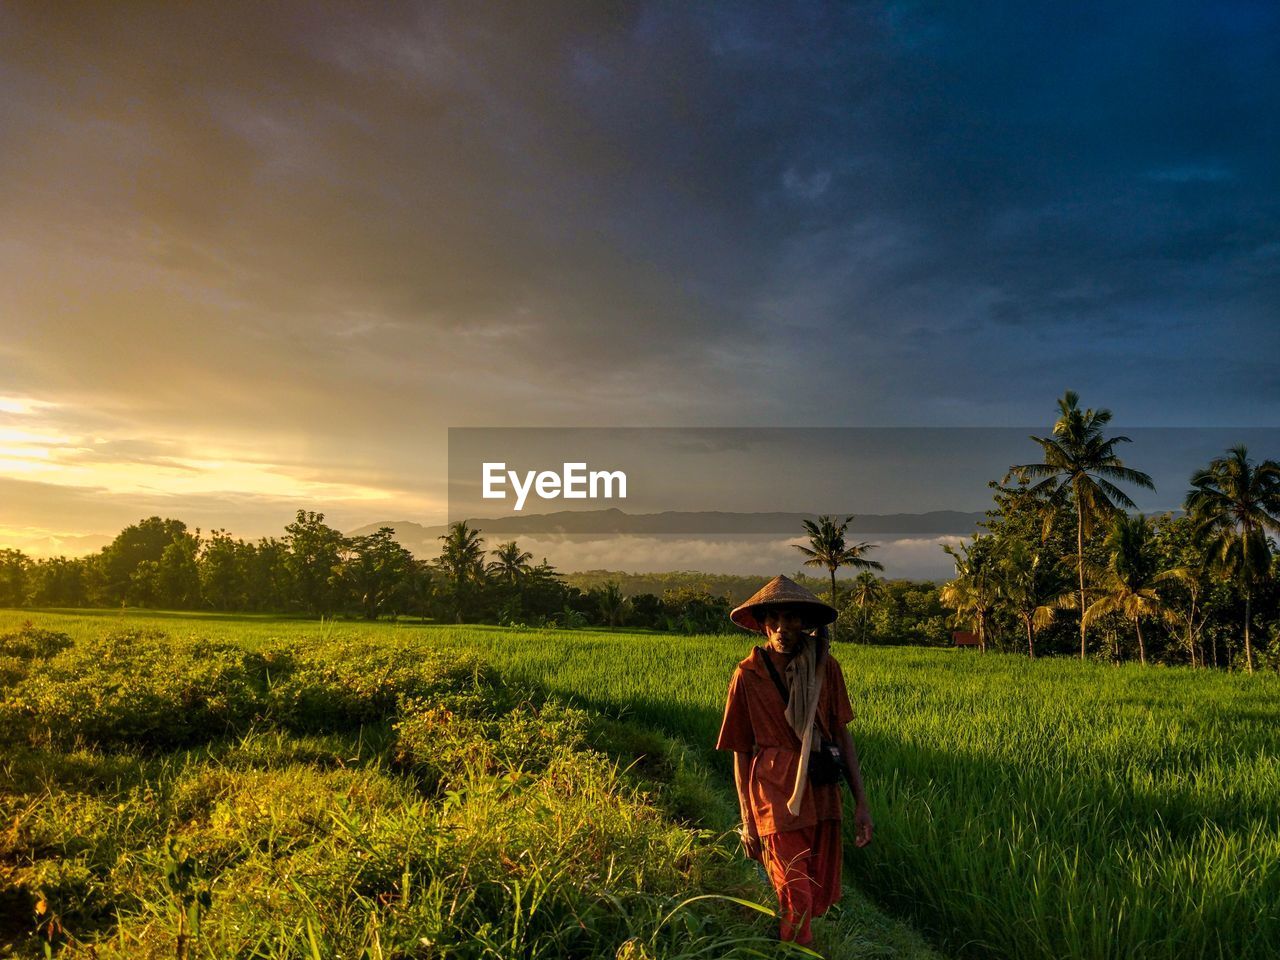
x: 783, y: 590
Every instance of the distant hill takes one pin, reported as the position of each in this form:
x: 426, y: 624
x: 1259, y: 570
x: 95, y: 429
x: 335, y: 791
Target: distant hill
x: 66, y: 546
x: 423, y: 540
x: 738, y: 587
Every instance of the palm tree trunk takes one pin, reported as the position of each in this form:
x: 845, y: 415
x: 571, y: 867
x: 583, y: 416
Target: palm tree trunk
x: 833, y: 601
x: 1142, y: 647
x: 1197, y: 644
x: 1248, y: 615
x: 1080, y: 566
x: 1031, y: 642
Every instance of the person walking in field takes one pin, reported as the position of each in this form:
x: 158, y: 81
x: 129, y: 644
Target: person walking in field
x: 786, y: 720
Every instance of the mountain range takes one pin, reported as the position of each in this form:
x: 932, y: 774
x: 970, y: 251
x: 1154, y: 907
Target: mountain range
x: 423, y: 541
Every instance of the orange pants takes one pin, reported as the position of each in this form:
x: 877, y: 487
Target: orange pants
x: 804, y: 868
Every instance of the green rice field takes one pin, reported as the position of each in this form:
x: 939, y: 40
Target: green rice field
x: 1023, y: 809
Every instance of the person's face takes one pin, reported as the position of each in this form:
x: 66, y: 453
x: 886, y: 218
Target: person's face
x: 783, y: 625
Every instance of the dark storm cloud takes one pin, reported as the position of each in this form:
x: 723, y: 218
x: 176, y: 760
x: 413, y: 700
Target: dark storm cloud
x: 332, y: 231
x: 1033, y: 183
x: 598, y: 187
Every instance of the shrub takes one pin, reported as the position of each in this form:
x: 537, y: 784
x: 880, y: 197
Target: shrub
x: 136, y: 687
x: 31, y: 643
x: 343, y: 684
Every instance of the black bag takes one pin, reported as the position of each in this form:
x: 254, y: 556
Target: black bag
x: 825, y: 766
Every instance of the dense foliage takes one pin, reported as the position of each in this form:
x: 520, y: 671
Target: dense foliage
x: 1061, y: 564
x: 343, y: 796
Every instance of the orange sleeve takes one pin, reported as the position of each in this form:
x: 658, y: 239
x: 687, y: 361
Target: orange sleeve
x: 840, y: 706
x: 735, y: 732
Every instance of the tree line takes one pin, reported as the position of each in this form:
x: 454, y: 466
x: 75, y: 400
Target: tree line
x: 315, y: 570
x: 1062, y: 565
x: 1059, y: 566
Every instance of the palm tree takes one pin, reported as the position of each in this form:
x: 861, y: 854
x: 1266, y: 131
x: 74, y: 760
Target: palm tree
x: 462, y: 560
x: 827, y: 548
x: 1129, y: 587
x: 1233, y: 504
x: 867, y: 589
x: 972, y: 593
x: 612, y: 603
x: 512, y: 563
x: 1079, y: 461
x: 1031, y: 586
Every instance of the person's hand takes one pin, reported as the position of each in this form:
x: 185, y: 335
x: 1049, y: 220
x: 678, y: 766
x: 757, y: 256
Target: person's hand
x: 862, y: 826
x: 751, y: 844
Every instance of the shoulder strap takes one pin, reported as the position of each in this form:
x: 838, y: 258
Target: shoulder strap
x: 819, y: 718
x: 777, y: 680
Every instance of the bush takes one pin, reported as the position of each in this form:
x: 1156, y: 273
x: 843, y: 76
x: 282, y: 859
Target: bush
x: 136, y: 687
x: 472, y: 821
x: 30, y: 643
x: 444, y: 744
x: 343, y: 684
x: 144, y: 689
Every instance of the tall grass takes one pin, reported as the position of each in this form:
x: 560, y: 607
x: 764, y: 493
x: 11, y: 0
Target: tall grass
x: 1023, y: 809
x: 1047, y: 810
x: 350, y: 795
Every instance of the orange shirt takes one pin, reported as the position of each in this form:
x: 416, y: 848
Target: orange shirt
x: 755, y: 723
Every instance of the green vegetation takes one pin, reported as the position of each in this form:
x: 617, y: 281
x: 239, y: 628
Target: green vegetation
x: 252, y: 788
x: 733, y: 587
x: 1232, y: 504
x: 222, y: 784
x: 316, y: 571
x: 1079, y: 467
x: 1023, y: 808
x: 1173, y: 589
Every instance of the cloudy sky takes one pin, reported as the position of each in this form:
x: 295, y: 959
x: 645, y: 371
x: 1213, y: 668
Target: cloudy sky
x: 260, y: 258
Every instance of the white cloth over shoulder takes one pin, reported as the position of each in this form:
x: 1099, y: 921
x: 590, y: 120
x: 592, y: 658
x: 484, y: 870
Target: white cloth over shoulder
x: 804, y: 677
